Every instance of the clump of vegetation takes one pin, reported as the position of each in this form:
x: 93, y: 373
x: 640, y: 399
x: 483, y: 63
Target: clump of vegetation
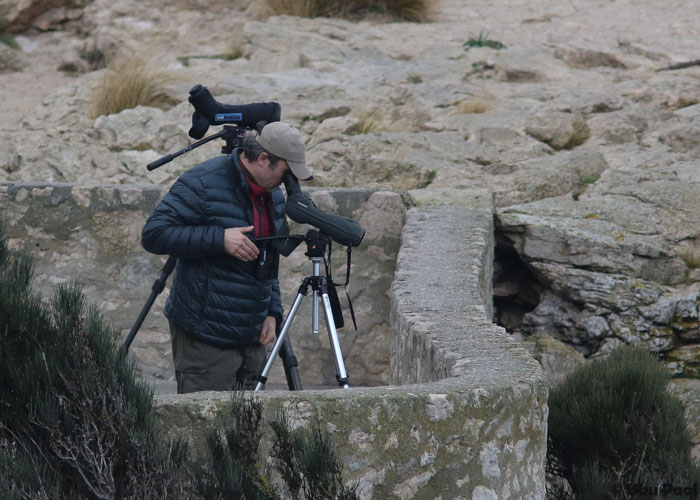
x: 5, y: 36
x: 615, y: 428
x: 483, y: 41
x: 74, y: 423
x: 583, y: 182
x: 587, y: 180
x: 304, y: 458
x: 429, y: 178
x: 129, y: 81
x: 307, y: 463
x: 95, y: 58
x: 691, y: 257
x: 407, y: 10
x: 234, y: 50
x: 474, y: 105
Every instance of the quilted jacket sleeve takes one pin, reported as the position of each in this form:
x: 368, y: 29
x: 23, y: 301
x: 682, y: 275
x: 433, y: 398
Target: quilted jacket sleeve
x: 276, y: 303
x: 178, y: 224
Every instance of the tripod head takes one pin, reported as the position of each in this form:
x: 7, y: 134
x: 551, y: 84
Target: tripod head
x: 316, y: 243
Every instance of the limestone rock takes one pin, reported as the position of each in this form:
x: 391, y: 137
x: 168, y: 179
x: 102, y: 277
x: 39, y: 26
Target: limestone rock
x: 618, y: 296
x: 557, y: 358
x: 21, y: 13
x: 684, y: 361
x: 598, y: 235
x: 586, y: 56
x: 559, y: 130
x: 141, y: 128
x: 683, y: 139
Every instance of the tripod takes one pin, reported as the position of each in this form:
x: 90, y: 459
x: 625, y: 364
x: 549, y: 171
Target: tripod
x: 316, y: 247
x: 289, y: 361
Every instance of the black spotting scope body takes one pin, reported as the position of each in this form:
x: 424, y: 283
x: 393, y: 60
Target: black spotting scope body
x: 302, y: 210
x: 341, y: 229
x: 208, y: 111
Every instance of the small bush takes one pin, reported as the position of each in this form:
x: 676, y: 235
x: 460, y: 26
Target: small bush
x: 74, y: 423
x: 307, y: 462
x: 304, y: 458
x: 129, y: 82
x: 94, y: 57
x: 613, y: 426
x: 6, y: 37
x: 407, y: 10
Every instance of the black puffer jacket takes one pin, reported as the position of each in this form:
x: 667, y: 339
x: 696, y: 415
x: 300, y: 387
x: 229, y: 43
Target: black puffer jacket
x: 214, y: 296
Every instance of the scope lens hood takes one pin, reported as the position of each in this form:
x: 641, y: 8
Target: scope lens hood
x: 341, y: 229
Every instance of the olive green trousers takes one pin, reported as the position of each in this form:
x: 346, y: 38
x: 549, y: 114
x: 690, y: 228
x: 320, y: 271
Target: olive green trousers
x: 204, y: 367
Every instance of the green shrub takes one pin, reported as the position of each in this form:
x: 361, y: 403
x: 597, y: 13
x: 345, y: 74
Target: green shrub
x: 74, y: 423
x: 483, y: 41
x: 307, y: 462
x: 232, y: 469
x: 613, y: 427
x: 304, y: 458
x: 6, y: 37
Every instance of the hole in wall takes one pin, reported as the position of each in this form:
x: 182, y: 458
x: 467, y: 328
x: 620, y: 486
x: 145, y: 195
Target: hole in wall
x: 516, y: 291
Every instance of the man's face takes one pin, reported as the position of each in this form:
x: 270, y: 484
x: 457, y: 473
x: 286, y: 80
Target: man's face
x: 267, y: 175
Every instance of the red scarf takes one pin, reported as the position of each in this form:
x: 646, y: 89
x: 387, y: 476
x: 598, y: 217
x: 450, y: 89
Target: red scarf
x: 259, y: 198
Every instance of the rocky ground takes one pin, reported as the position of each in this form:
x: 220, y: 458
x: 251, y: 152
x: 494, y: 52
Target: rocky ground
x: 585, y: 126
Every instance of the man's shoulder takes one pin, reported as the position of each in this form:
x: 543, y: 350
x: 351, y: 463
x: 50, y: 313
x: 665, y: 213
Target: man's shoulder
x: 213, y: 166
x: 212, y: 173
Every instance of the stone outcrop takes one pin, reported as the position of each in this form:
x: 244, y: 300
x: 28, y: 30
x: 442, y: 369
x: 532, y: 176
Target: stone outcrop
x: 615, y: 269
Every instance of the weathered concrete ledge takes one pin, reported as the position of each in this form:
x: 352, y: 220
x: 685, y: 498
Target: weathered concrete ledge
x: 466, y: 417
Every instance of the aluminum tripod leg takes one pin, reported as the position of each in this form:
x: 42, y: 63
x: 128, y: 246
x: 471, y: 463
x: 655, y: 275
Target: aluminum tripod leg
x: 280, y: 340
x: 340, y: 373
x: 318, y: 283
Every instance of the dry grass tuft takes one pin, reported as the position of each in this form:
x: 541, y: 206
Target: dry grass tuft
x: 691, y: 257
x: 479, y: 103
x: 383, y: 116
x: 407, y: 10
x: 130, y: 81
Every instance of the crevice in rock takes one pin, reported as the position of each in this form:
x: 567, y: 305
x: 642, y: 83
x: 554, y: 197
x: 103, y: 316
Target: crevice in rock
x: 516, y: 290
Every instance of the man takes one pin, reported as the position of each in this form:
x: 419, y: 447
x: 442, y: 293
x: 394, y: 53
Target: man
x: 221, y: 315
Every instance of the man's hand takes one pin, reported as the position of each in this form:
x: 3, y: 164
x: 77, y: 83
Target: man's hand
x: 267, y: 334
x: 238, y: 245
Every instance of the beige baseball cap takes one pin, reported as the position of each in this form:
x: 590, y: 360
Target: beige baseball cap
x: 283, y: 140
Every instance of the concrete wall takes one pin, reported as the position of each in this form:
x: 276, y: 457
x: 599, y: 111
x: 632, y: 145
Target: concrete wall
x: 466, y: 416
x: 92, y: 234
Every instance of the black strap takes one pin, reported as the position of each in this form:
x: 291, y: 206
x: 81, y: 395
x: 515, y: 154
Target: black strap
x: 345, y: 286
x: 347, y: 278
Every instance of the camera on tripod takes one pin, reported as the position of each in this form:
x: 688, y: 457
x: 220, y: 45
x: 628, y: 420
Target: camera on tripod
x: 237, y: 121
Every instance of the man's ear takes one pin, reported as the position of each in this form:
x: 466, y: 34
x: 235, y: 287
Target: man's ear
x: 264, y: 159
